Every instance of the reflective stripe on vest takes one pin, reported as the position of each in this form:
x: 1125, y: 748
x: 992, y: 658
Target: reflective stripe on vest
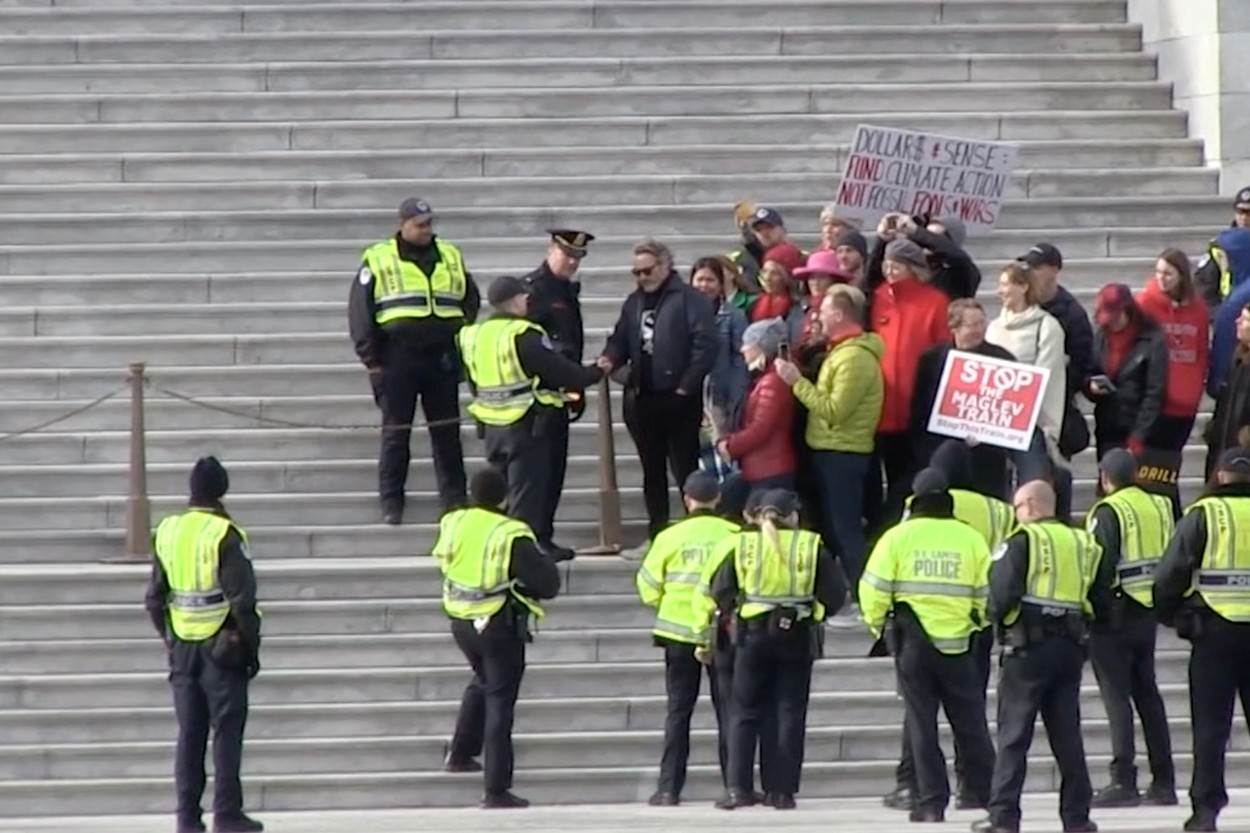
x: 474, y: 549
x: 768, y: 579
x: 1223, y: 579
x: 402, y: 290
x: 188, y: 547
x: 1146, y: 526
x: 1062, y: 564
x: 503, y: 393
x: 674, y: 566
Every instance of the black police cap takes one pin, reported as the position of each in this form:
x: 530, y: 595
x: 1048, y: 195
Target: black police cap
x: 574, y: 243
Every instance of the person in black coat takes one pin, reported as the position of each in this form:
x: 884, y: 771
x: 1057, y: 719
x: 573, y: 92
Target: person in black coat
x: 989, y: 462
x: 663, y: 344
x: 951, y: 268
x: 1133, y: 354
x: 1232, y: 409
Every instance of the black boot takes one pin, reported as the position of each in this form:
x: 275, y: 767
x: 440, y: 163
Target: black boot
x: 1202, y: 821
x: 733, y: 799
x: 393, y: 511
x: 1086, y: 826
x: 503, y: 801
x: 1116, y: 795
x: 901, y: 798
x: 236, y: 823
x: 1161, y: 795
x: 781, y: 801
x: 663, y: 799
x: 190, y: 824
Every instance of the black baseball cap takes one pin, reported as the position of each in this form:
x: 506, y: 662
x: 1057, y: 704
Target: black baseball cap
x: 1042, y: 254
x: 504, y: 288
x: 414, y: 209
x: 1242, y: 200
x: 765, y: 216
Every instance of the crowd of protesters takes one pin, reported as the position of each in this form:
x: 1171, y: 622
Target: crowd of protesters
x: 820, y: 369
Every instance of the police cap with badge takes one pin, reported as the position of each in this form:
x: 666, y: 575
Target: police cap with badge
x: 572, y: 242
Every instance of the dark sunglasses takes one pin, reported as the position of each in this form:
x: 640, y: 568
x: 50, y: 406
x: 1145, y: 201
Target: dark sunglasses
x: 638, y: 273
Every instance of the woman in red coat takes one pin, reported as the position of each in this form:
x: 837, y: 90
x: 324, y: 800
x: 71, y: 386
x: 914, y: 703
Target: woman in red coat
x: 764, y: 446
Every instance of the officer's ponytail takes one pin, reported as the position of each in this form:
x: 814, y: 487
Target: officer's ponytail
x: 777, y: 507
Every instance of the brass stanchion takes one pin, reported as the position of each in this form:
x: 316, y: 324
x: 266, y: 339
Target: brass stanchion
x: 138, y: 509
x: 609, y: 492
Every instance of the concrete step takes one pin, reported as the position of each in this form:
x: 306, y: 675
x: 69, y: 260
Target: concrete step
x: 291, y: 476
x: 1099, y: 219
x: 651, y: 41
x: 1034, y: 197
x: 425, y: 753
x: 655, y: 129
x: 303, y: 579
x: 502, y: 252
x: 293, y: 621
x: 331, y: 165
x: 580, y: 101
x: 602, y: 287
x: 397, y: 16
x: 534, y: 716
x: 607, y: 785
x: 565, y: 72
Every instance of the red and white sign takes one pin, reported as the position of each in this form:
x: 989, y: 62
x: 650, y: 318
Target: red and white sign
x: 989, y: 400
x: 890, y: 170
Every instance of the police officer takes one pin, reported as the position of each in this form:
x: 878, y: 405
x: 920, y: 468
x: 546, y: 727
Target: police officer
x: 554, y: 305
x: 924, y: 589
x: 410, y: 297
x: 202, y: 600
x: 779, y: 582
x: 1045, y: 583
x: 493, y: 577
x: 1133, y: 528
x: 669, y: 581
x: 1200, y: 589
x: 719, y: 651
x: 520, y: 386
x: 994, y: 520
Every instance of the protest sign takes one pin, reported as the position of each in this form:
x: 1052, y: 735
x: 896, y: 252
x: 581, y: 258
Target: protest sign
x: 989, y: 400
x: 890, y: 170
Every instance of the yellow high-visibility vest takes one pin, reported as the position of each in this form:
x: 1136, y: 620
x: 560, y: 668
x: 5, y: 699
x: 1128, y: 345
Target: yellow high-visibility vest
x: 504, y: 392
x: 188, y: 547
x: 1063, y: 562
x: 768, y: 579
x: 402, y: 290
x: 671, y: 573
x: 940, y: 568
x: 1223, y: 579
x: 474, y: 550
x: 1146, y: 526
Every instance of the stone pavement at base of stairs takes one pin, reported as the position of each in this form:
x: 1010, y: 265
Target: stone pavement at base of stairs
x: 815, y: 816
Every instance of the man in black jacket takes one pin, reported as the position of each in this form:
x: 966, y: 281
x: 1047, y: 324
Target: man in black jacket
x: 555, y: 306
x: 968, y: 324
x: 208, y: 621
x: 666, y: 340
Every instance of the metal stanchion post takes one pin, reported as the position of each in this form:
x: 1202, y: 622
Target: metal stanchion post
x: 138, y: 509
x: 609, y: 492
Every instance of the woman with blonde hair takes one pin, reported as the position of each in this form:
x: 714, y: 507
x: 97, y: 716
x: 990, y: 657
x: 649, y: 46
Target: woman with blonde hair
x: 1035, y: 337
x: 779, y: 583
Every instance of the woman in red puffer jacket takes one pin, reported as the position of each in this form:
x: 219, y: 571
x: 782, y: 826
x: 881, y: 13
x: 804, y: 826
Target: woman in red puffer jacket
x: 764, y: 446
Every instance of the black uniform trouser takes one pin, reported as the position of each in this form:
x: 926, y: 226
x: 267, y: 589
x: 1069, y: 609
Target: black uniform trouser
x: 682, y: 673
x: 722, y: 699
x: 206, y: 695
x: 1124, y: 663
x: 1045, y: 678
x: 772, y: 677
x: 484, y: 724
x: 435, y: 378
x: 930, y: 679
x: 557, y: 430
x: 1219, y: 673
x: 522, y: 452
x: 665, y: 430
x: 905, y: 775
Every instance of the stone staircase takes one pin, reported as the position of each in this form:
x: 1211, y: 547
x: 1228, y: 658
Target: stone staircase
x: 191, y: 185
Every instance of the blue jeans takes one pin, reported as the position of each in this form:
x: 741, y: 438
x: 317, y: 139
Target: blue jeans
x: 840, y: 476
